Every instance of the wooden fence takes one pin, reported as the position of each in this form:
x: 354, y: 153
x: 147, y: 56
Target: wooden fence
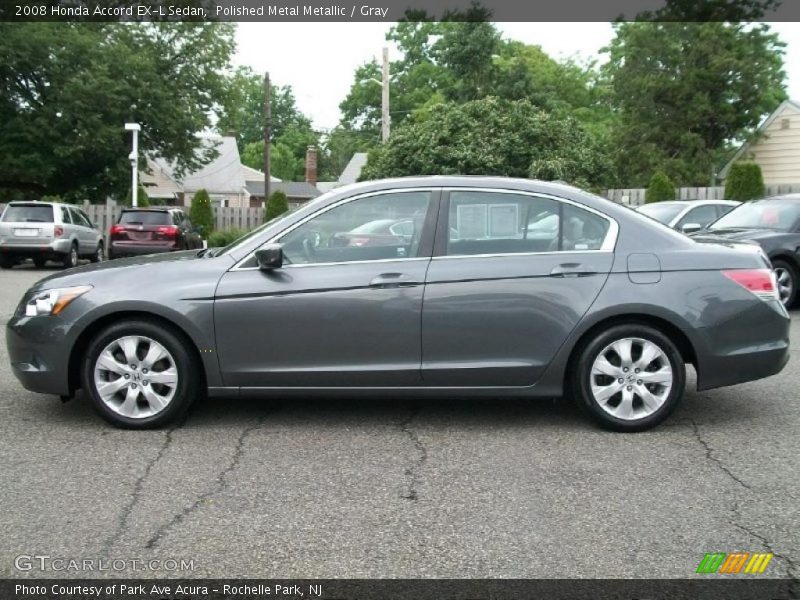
x: 227, y: 217
x: 636, y: 196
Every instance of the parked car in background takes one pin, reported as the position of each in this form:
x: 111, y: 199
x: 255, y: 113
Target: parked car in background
x: 45, y: 231
x: 688, y: 216
x: 774, y: 224
x: 380, y: 232
x: 609, y: 309
x: 152, y: 230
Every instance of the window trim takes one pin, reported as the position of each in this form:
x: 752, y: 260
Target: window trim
x: 424, y: 250
x: 442, y: 230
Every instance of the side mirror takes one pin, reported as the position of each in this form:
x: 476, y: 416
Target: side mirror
x: 270, y: 257
x: 691, y: 227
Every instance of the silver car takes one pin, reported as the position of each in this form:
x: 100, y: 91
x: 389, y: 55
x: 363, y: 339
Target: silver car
x: 45, y: 231
x: 688, y: 216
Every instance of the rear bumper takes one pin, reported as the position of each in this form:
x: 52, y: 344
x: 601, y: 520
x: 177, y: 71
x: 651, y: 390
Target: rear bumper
x: 119, y: 249
x: 38, y: 354
x: 753, y: 346
x: 28, y: 250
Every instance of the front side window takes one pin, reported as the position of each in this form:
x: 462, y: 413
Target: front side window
x: 505, y: 223
x: 380, y: 227
x: 701, y: 215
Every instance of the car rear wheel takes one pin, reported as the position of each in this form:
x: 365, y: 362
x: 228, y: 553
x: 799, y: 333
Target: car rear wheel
x: 786, y: 276
x: 71, y: 257
x: 629, y: 377
x: 139, y: 375
x: 99, y: 254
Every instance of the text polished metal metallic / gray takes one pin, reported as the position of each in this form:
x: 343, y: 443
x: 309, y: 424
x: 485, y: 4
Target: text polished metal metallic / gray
x: 417, y: 287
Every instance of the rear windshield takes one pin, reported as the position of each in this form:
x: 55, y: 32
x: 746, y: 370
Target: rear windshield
x: 28, y: 213
x: 145, y: 217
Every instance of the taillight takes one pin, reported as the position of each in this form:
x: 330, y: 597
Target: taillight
x: 168, y: 230
x: 117, y: 229
x: 760, y: 282
x: 59, y: 231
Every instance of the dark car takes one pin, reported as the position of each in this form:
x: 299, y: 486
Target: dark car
x: 608, y: 308
x: 774, y: 224
x: 152, y: 230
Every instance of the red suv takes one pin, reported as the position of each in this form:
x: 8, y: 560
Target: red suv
x: 152, y: 230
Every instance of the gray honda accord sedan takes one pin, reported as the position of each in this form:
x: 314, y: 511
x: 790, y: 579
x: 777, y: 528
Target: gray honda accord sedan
x: 423, y: 287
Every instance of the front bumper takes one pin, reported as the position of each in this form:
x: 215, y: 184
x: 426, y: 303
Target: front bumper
x: 752, y: 346
x: 39, y: 353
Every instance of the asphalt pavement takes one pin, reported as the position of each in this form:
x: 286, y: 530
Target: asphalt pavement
x: 395, y: 489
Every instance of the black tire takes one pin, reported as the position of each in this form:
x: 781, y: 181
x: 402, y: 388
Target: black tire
x: 6, y: 262
x: 186, y: 364
x: 581, y: 382
x: 782, y: 267
x: 70, y: 259
x: 39, y: 261
x: 99, y: 254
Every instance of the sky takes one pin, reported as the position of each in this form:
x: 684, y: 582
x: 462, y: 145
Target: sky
x: 318, y: 59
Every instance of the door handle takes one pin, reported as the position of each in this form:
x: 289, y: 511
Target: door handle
x: 392, y: 280
x: 571, y: 270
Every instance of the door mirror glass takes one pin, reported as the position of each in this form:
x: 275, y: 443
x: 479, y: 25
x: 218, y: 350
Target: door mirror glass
x: 691, y: 227
x: 270, y: 257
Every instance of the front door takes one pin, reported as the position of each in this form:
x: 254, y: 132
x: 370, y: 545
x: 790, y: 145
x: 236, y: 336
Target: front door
x: 345, y: 309
x: 512, y: 275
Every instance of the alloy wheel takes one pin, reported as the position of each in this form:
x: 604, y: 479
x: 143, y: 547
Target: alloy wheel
x: 136, y: 377
x: 631, y: 378
x: 785, y: 283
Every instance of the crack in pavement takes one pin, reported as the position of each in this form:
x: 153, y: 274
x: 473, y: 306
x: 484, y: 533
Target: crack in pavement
x: 138, y: 485
x: 219, y: 484
x: 412, y: 473
x: 791, y: 566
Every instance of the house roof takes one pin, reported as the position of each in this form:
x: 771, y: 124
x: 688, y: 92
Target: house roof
x: 158, y: 181
x: 352, y: 171
x: 292, y: 189
x: 223, y: 174
x: 761, y: 129
x: 251, y: 174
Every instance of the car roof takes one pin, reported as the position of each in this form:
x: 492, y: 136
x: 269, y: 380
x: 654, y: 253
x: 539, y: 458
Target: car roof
x: 149, y: 208
x: 784, y: 197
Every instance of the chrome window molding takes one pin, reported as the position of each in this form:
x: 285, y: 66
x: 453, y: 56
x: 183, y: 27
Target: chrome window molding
x: 608, y: 245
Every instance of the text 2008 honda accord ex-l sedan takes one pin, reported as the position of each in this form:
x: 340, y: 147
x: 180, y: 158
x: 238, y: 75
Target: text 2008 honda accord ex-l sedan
x: 435, y: 286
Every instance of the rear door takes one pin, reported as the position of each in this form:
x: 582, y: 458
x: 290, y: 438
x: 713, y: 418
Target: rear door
x: 27, y: 224
x: 511, y: 276
x: 83, y: 231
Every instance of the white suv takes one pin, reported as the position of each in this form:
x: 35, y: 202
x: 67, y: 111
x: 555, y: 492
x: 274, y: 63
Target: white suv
x: 46, y: 231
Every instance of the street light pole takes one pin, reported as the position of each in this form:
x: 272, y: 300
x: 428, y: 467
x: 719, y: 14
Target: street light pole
x: 135, y: 128
x: 385, y: 123
x: 267, y: 136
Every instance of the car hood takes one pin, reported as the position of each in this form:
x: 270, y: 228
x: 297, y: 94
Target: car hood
x: 88, y: 274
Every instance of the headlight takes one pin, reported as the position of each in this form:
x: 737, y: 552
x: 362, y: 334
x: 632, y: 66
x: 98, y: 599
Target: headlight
x: 52, y: 302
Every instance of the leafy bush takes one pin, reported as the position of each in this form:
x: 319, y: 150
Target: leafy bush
x: 660, y: 188
x: 277, y: 204
x: 744, y: 182
x: 142, y: 199
x: 223, y: 237
x: 200, y: 212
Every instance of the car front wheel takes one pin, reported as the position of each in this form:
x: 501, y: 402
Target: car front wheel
x: 629, y: 377
x: 139, y: 375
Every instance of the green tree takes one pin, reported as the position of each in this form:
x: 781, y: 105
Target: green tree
x: 660, y: 188
x: 142, y: 199
x: 744, y: 182
x: 67, y: 88
x: 683, y: 90
x: 201, y: 213
x: 277, y: 204
x: 491, y: 137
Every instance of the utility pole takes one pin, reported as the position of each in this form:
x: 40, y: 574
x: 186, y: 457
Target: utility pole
x: 267, y: 135
x: 385, y: 124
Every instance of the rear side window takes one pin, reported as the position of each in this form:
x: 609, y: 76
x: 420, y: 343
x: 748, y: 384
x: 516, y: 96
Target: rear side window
x: 145, y: 217
x: 505, y: 223
x: 28, y: 213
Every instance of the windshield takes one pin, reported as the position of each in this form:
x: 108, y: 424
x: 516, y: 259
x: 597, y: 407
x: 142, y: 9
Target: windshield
x: 28, y: 213
x: 780, y: 215
x: 663, y: 213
